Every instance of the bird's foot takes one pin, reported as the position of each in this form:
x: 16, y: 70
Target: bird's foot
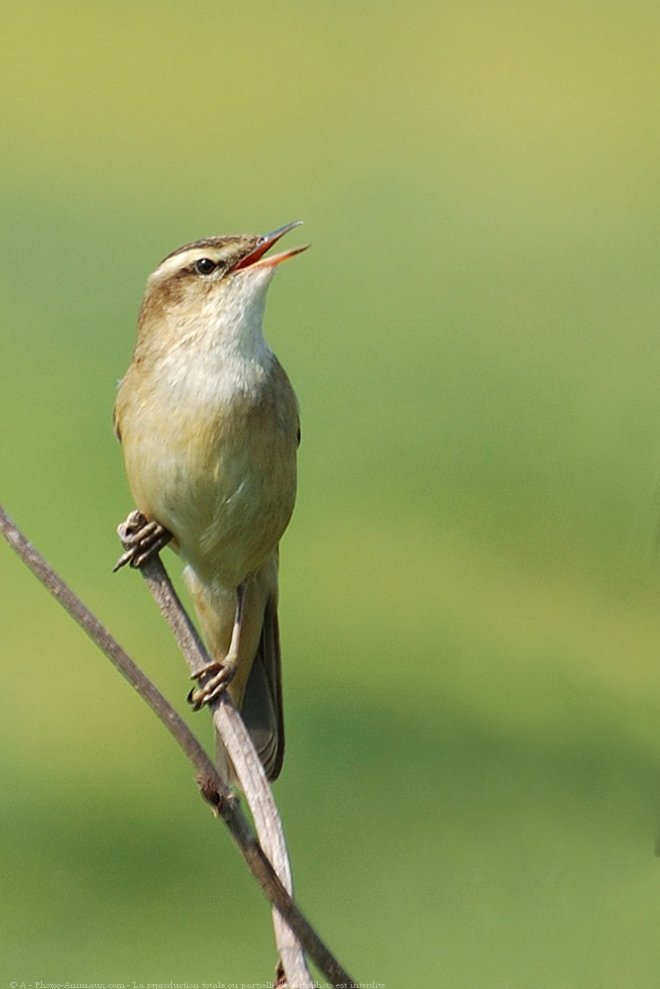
x: 141, y: 540
x: 220, y: 674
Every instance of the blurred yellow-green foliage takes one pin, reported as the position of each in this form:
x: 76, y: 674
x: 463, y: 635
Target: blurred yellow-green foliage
x: 470, y: 607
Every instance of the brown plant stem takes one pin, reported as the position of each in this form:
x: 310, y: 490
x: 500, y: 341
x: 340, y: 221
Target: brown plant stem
x: 212, y: 786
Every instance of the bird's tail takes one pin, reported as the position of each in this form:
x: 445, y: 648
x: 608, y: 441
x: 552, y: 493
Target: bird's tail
x: 261, y: 706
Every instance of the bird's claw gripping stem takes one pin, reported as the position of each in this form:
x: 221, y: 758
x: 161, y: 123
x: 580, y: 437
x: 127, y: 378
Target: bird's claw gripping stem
x: 141, y: 540
x: 220, y: 674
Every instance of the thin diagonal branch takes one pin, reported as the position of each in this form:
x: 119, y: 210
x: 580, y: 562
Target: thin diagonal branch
x: 212, y: 786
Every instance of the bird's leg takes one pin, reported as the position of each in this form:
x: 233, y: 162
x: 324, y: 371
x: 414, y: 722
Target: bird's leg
x: 141, y: 540
x: 220, y: 672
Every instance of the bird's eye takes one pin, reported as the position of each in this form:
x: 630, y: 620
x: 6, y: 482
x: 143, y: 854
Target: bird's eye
x: 205, y: 266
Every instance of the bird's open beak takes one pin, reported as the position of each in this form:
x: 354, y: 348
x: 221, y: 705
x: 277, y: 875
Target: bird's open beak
x: 256, y: 259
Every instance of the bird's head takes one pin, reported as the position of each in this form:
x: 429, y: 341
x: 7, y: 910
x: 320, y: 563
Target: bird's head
x: 217, y: 286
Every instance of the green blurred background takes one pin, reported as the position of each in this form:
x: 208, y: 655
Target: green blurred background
x: 470, y: 602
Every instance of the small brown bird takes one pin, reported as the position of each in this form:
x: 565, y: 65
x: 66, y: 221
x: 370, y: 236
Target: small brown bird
x: 209, y: 426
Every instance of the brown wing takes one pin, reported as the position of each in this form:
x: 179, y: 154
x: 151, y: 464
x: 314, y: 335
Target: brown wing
x: 115, y: 423
x: 262, y: 702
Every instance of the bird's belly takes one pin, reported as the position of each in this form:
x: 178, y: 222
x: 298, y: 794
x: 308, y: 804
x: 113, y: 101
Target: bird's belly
x: 227, y: 501
x: 242, y: 519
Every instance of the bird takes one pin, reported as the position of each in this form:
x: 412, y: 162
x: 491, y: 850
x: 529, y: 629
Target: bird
x: 209, y: 426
